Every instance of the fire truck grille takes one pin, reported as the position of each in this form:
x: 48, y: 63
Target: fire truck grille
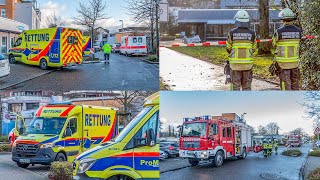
x: 27, y: 150
x: 191, y: 144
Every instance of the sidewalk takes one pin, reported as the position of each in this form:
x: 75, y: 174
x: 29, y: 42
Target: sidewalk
x: 182, y: 72
x: 312, y: 163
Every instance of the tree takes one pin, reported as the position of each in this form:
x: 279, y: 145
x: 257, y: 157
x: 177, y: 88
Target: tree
x: 312, y: 105
x: 272, y: 128
x: 264, y: 48
x: 89, y: 13
x: 54, y: 21
x: 297, y: 131
x: 262, y: 130
x: 169, y: 131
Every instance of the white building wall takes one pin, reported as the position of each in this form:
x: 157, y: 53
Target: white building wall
x: 26, y: 13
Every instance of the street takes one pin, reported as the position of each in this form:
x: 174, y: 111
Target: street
x: 123, y: 73
x: 182, y: 72
x: 255, y: 166
x: 9, y: 170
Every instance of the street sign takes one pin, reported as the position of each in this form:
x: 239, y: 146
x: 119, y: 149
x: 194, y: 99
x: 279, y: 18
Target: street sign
x: 317, y: 130
x: 164, y: 12
x: 91, y: 50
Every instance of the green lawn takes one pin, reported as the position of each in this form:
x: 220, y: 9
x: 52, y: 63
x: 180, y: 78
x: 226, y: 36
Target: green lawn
x: 218, y: 55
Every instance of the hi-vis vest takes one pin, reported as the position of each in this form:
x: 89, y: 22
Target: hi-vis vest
x: 241, y: 42
x: 287, y: 42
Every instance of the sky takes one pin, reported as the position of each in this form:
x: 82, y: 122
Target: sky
x: 261, y: 107
x: 67, y: 9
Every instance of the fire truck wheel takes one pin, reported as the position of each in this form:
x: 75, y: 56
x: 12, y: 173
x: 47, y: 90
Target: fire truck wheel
x: 244, y: 153
x: 193, y: 162
x: 22, y: 165
x: 218, y: 159
x: 43, y: 64
x: 61, y: 157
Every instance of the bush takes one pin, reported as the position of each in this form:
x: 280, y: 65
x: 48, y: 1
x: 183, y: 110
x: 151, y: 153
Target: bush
x: 292, y: 152
x: 60, y: 171
x: 315, y: 153
x: 314, y: 175
x: 4, y: 139
x: 4, y: 147
x: 152, y: 58
x: 167, y: 38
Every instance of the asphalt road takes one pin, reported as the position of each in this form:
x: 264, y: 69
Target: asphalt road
x: 185, y: 73
x: 9, y: 170
x: 123, y: 73
x: 255, y: 166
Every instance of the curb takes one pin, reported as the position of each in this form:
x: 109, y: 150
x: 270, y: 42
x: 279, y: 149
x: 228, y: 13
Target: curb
x: 5, y: 153
x: 301, y: 172
x: 5, y: 87
x: 90, y: 62
x: 150, y: 62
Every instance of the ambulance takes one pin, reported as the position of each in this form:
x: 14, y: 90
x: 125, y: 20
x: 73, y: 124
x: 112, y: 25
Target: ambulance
x: 133, y: 154
x: 61, y: 131
x: 52, y: 47
x: 86, y: 45
x: 133, y: 45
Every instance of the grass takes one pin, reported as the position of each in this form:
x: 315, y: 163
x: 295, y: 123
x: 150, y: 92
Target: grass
x: 315, y: 153
x: 218, y: 56
x: 152, y: 58
x: 314, y: 175
x: 4, y: 147
x: 4, y: 139
x: 292, y: 152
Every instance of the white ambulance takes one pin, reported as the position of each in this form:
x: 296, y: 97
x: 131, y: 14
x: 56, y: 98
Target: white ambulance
x: 133, y: 45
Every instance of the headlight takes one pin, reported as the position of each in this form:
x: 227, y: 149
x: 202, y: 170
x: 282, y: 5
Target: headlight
x: 85, y: 164
x: 14, y: 144
x: 47, y: 145
x: 204, y: 152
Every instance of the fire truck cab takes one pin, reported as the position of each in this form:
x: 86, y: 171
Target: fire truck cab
x: 214, y: 139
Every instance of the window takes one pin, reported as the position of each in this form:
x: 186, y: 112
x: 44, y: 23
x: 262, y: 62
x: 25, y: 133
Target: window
x: 229, y: 132
x: 72, y: 40
x: 140, y: 39
x: 16, y: 108
x: 18, y: 42
x: 3, y: 12
x: 134, y: 40
x: 72, y: 125
x: 224, y: 132
x: 32, y: 106
x: 2, y: 2
x: 12, y: 42
x: 4, y: 41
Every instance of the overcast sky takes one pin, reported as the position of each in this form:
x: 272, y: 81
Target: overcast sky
x: 261, y: 107
x: 67, y: 10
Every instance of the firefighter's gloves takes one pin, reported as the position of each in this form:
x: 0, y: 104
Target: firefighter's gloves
x: 227, y: 72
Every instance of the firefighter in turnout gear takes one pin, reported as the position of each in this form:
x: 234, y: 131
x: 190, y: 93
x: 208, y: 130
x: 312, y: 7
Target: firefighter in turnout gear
x: 241, y: 45
x: 270, y: 146
x: 265, y: 147
x: 275, y: 145
x: 286, y: 43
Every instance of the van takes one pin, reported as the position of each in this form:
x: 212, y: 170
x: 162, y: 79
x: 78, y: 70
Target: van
x: 133, y: 45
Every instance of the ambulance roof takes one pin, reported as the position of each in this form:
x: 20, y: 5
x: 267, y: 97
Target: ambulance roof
x: 152, y: 100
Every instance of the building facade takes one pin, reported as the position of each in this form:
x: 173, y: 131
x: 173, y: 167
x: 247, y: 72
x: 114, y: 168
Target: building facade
x: 28, y: 13
x: 7, y: 8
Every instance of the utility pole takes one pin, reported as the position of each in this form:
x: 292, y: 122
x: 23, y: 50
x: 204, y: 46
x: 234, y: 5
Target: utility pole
x: 1, y: 116
x: 157, y: 27
x: 121, y: 25
x: 152, y: 22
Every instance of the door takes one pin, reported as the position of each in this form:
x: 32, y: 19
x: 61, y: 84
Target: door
x: 20, y: 126
x: 227, y: 140
x: 34, y: 51
x: 71, y: 138
x: 55, y: 52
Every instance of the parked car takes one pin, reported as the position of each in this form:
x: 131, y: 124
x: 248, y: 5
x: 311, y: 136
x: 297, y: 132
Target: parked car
x: 163, y: 155
x: 4, y: 66
x: 10, y: 134
x: 96, y: 47
x: 170, y: 148
x: 317, y: 144
x: 116, y: 48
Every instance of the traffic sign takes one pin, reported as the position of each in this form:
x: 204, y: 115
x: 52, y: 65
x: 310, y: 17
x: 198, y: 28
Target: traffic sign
x: 317, y: 130
x: 91, y: 50
x: 164, y: 12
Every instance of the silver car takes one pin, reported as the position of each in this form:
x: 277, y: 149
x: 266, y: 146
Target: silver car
x: 163, y: 155
x: 4, y: 66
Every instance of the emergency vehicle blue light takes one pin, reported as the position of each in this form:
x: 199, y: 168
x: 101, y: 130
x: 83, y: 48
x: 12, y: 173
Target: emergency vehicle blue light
x: 61, y: 103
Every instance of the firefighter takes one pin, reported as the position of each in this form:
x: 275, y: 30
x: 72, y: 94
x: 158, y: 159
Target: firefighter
x: 107, y: 51
x: 241, y: 45
x: 265, y: 148
x: 270, y: 146
x: 275, y: 144
x: 286, y: 41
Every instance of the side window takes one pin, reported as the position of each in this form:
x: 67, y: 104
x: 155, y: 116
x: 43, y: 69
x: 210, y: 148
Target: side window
x: 229, y: 131
x: 152, y: 123
x: 18, y: 42
x: 224, y: 132
x: 134, y: 40
x: 72, y: 125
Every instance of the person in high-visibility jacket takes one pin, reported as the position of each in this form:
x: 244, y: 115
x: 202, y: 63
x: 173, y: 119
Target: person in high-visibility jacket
x: 241, y: 45
x: 270, y: 146
x: 265, y: 147
x: 286, y: 41
x: 275, y: 145
x: 107, y: 51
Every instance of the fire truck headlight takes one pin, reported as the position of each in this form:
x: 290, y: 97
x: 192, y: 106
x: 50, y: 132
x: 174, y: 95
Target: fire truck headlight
x: 47, y: 145
x: 86, y: 164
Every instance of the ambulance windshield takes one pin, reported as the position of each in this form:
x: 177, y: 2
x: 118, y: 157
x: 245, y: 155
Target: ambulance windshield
x: 194, y: 129
x: 42, y: 125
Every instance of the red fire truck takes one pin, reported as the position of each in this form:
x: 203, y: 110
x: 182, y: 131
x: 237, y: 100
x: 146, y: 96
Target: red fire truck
x: 294, y: 141
x: 214, y: 139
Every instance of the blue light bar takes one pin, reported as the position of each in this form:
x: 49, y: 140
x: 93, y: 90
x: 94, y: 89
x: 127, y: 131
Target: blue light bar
x: 61, y: 103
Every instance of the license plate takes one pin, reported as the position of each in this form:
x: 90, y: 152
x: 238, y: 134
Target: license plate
x: 190, y: 153
x: 24, y: 160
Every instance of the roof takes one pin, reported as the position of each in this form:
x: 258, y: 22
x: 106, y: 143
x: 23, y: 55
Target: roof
x: 218, y: 16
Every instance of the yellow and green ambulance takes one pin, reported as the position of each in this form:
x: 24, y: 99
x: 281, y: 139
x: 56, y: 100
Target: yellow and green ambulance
x: 52, y: 47
x: 61, y: 131
x: 133, y: 154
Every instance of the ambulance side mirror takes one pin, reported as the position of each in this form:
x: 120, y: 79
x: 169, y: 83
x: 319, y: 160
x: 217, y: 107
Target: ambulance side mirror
x: 21, y: 130
x: 150, y: 141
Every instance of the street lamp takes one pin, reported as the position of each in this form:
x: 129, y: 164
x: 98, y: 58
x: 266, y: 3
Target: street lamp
x: 121, y: 25
x: 242, y: 117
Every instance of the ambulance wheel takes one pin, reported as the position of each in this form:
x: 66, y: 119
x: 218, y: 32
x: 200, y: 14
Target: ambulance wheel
x: 22, y: 165
x: 218, y: 159
x: 244, y: 153
x: 193, y: 162
x: 61, y: 157
x: 120, y: 177
x: 43, y: 64
x: 12, y: 60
